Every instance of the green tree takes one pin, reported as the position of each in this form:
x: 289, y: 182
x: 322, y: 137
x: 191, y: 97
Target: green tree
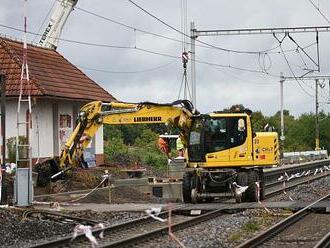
x: 147, y: 139
x: 258, y: 121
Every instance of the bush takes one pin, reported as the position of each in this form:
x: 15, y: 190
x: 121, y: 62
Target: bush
x: 125, y: 158
x: 155, y: 160
x: 113, y: 147
x: 11, y: 148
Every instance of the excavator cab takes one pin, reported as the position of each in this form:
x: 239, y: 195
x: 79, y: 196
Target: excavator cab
x: 213, y: 136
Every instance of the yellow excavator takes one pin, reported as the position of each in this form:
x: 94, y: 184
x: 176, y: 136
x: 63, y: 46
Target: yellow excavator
x: 223, y: 155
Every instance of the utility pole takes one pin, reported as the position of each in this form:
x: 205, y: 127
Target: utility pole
x: 193, y: 62
x: 317, y: 125
x: 282, y: 138
x: 3, y: 191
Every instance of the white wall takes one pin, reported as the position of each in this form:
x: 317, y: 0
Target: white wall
x: 42, y: 130
x: 42, y: 138
x: 99, y: 141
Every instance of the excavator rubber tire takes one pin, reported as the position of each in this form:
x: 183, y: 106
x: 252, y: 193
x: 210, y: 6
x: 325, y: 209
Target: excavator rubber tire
x: 251, y: 193
x: 262, y: 185
x: 242, y: 180
x: 187, y: 186
x: 45, y: 170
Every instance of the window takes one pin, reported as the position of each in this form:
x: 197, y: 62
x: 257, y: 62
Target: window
x: 65, y: 121
x: 65, y: 129
x: 224, y: 133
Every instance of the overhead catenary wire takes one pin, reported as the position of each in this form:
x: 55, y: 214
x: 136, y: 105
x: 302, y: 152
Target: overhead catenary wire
x: 129, y: 72
x: 199, y: 41
x: 154, y: 53
x: 142, y: 50
x: 320, y: 12
x: 209, y: 46
x: 294, y: 75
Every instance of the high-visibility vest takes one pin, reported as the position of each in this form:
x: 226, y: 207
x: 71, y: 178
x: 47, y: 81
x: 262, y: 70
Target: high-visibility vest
x: 179, y: 144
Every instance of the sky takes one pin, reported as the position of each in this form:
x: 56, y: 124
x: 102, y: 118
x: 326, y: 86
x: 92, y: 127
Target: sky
x: 132, y: 75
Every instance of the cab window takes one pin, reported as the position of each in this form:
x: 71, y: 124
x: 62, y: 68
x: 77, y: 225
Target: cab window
x: 224, y: 133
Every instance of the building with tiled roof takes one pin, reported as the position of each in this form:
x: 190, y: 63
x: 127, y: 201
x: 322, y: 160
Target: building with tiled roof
x: 58, y: 89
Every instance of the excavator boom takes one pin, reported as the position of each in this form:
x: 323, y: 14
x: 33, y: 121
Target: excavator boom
x: 93, y: 115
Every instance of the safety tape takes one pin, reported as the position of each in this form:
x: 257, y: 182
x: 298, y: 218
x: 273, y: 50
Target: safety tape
x: 87, y: 230
x: 154, y: 212
x: 259, y: 202
x: 57, y: 205
x: 90, y: 192
x: 285, y: 177
x: 170, y: 233
x: 239, y: 190
x: 284, y: 191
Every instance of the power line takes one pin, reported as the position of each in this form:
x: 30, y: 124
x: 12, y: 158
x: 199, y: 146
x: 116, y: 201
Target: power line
x: 320, y: 12
x: 202, y: 42
x: 209, y: 46
x: 128, y: 72
x: 149, y: 52
x: 235, y: 67
x: 139, y: 49
x: 293, y: 74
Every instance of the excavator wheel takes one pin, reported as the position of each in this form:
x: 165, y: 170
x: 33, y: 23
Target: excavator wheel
x: 251, y: 192
x: 186, y: 187
x: 242, y: 180
x: 45, y: 170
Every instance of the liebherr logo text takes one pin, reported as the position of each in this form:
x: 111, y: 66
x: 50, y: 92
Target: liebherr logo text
x: 147, y: 119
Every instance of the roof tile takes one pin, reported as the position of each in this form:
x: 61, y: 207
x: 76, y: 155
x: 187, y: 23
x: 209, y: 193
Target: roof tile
x: 50, y: 74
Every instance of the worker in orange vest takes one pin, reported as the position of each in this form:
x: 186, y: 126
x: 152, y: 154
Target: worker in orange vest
x: 164, y: 147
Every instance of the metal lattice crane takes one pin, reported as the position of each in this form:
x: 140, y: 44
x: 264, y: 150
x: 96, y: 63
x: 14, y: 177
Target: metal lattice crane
x: 51, y: 35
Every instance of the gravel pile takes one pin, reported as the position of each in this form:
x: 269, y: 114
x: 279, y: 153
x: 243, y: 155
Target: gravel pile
x: 306, y: 192
x: 18, y: 232
x: 228, y: 230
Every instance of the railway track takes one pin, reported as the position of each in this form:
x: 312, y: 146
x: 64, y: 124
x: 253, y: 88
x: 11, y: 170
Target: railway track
x: 43, y: 215
x: 305, y: 228
x: 271, y: 176
x: 137, y: 232
x: 125, y: 233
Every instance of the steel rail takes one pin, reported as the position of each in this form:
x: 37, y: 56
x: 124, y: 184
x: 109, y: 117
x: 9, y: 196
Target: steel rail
x: 164, y: 230
x: 279, y: 227
x: 54, y: 215
x: 276, y: 187
x: 67, y: 240
x: 324, y: 242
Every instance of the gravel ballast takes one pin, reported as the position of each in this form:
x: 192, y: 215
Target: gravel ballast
x: 18, y: 232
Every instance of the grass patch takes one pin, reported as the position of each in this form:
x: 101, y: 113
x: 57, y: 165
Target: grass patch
x: 247, y: 228
x: 251, y: 226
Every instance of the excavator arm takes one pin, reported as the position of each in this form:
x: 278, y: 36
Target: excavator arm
x: 93, y: 115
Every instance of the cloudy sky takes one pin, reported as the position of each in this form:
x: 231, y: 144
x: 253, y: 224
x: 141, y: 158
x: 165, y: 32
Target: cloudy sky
x: 135, y: 75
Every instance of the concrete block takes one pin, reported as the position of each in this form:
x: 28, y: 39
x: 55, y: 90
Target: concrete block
x: 131, y: 182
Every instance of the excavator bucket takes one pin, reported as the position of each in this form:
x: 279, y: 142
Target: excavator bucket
x: 46, y: 169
